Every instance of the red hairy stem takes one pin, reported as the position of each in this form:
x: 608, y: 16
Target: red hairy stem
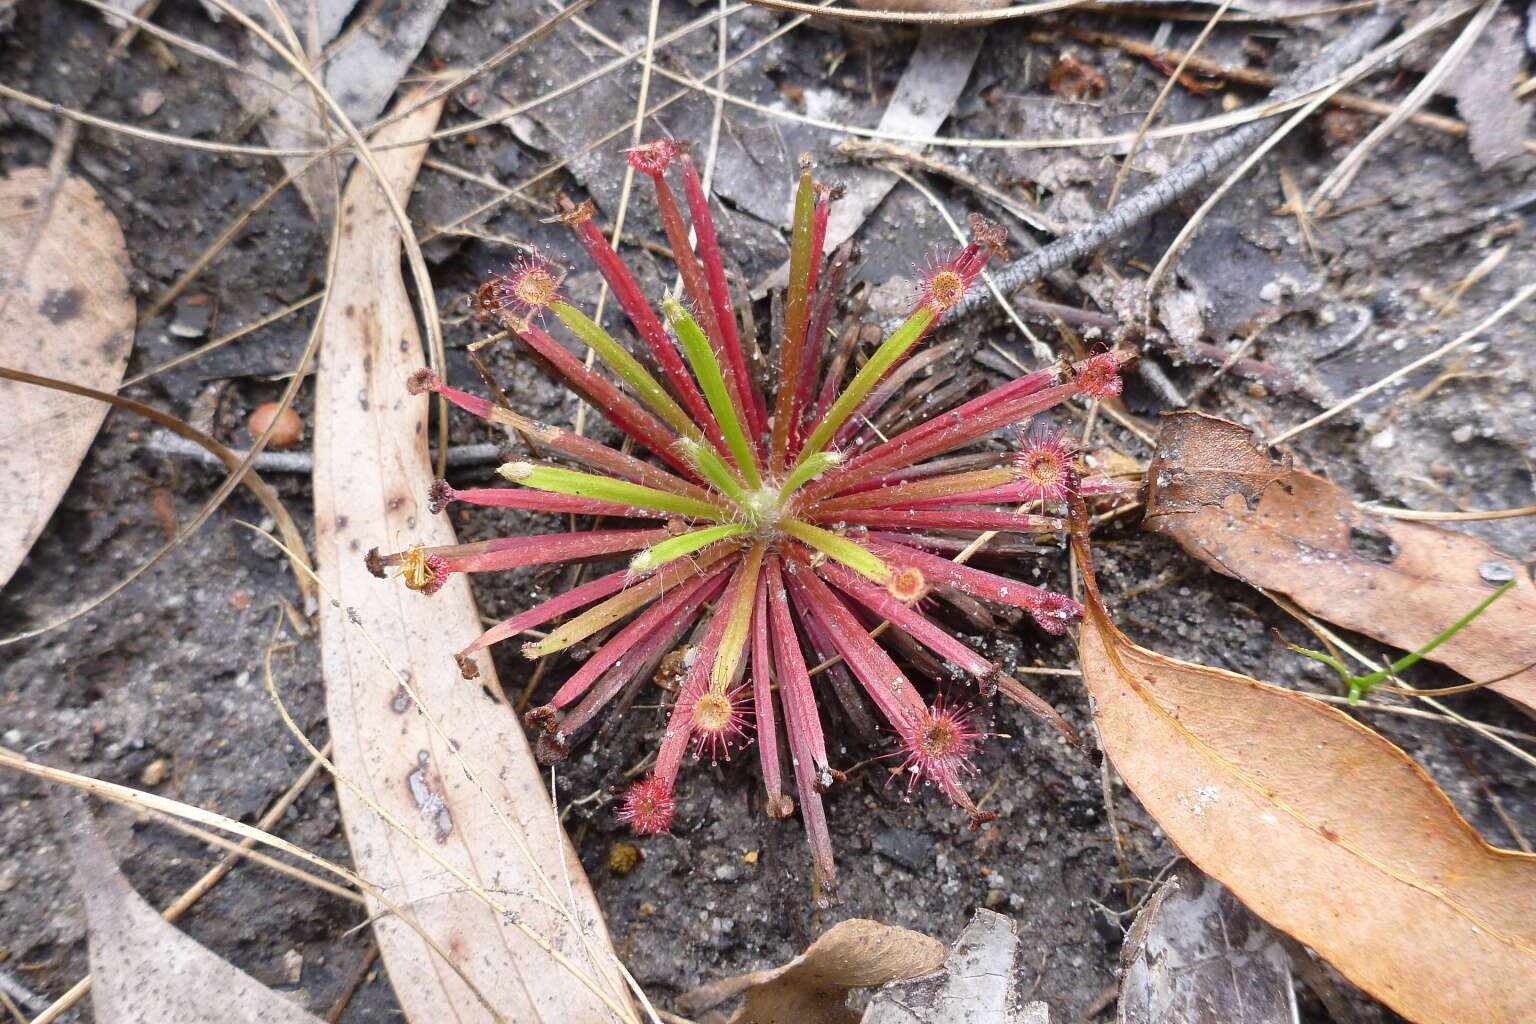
x: 1052, y: 611
x: 826, y: 298
x: 762, y: 696
x: 918, y: 491
x: 885, y: 683
x: 573, y: 446
x: 634, y: 645
x: 802, y: 725
x: 880, y: 459
x: 720, y: 298
x: 674, y: 743
x: 514, y: 552
x: 796, y: 315
x: 1015, y: 493
x: 941, y: 519
x: 943, y: 433
x: 795, y: 691
x: 703, y: 307
x: 541, y: 613
x: 616, y: 407
x: 895, y: 382
x: 908, y: 619
x: 823, y: 208
x: 934, y: 467
x: 536, y: 501
x: 944, y: 285
x: 646, y: 323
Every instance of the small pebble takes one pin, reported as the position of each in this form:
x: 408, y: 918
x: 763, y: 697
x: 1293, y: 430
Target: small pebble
x: 623, y: 858
x: 155, y: 772
x: 1462, y: 434
x: 911, y: 850
x: 1496, y: 573
x: 290, y: 428
x: 293, y: 967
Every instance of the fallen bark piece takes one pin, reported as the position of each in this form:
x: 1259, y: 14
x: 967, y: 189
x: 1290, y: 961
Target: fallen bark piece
x: 979, y: 983
x: 496, y: 827
x: 813, y: 987
x: 68, y: 314
x: 1319, y: 825
x: 144, y: 968
x: 1199, y: 955
x: 1283, y: 529
x: 1483, y: 86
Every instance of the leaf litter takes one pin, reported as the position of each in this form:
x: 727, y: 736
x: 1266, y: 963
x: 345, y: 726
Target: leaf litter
x: 1283, y: 529
x: 494, y: 823
x: 145, y: 968
x: 1322, y: 827
x: 63, y: 275
x: 429, y: 790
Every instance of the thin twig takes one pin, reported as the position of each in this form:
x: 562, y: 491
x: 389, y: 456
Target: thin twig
x: 1477, y: 330
x: 1180, y: 181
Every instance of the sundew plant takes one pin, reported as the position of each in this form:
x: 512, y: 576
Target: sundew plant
x: 767, y: 523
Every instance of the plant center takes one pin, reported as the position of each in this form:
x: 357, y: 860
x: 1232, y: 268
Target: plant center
x: 941, y: 738
x: 712, y: 712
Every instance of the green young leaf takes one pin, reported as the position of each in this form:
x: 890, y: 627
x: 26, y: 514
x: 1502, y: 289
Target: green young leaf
x: 603, y: 488
x: 684, y: 544
x: 701, y: 356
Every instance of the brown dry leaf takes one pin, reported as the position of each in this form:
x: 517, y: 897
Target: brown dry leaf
x: 68, y: 314
x: 371, y: 473
x: 1483, y: 86
x: 144, y: 968
x: 1320, y: 826
x: 813, y: 987
x: 1398, y: 581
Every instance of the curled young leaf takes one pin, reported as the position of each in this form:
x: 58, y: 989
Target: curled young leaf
x: 1400, y: 582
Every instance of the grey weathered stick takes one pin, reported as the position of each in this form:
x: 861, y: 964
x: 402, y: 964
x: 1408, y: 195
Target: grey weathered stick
x: 1183, y: 179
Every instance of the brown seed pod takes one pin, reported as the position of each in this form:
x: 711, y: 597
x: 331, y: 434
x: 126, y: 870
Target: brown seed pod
x: 288, y: 432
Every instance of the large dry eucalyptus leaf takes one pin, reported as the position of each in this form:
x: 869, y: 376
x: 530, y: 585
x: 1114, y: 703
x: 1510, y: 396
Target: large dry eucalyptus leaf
x: 145, y: 969
x: 813, y: 987
x: 360, y: 64
x: 68, y: 314
x: 1281, y: 529
x: 1319, y: 825
x: 371, y: 475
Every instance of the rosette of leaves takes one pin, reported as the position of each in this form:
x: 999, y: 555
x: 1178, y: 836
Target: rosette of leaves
x: 777, y: 529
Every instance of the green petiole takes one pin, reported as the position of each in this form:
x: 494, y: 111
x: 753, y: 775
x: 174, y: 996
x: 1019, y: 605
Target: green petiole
x: 890, y: 351
x: 1360, y: 686
x: 712, y: 467
x: 626, y: 366
x: 603, y: 488
x: 855, y: 556
x: 809, y: 469
x: 684, y: 544
x: 701, y: 356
